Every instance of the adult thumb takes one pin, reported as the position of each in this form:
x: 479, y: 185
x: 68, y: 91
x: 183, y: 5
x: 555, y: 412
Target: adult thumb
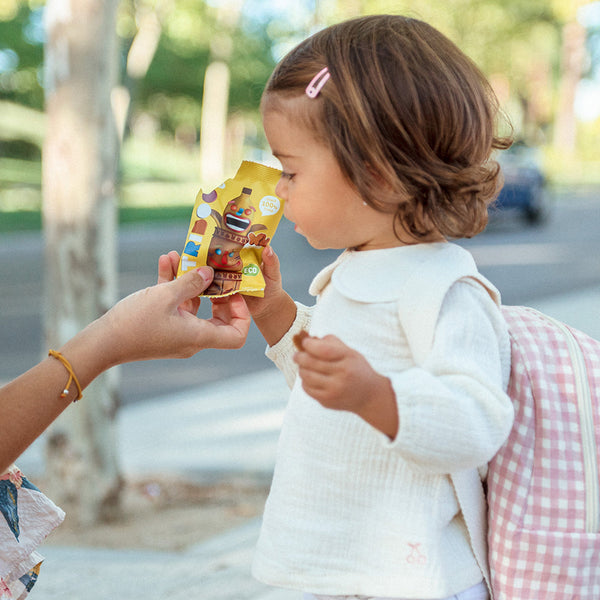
x: 192, y: 283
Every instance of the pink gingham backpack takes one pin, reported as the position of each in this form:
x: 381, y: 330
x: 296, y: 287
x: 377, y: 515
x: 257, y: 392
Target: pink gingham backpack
x: 543, y: 492
x: 543, y: 485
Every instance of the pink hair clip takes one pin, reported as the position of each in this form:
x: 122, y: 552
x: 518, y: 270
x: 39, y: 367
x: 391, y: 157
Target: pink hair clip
x: 317, y: 83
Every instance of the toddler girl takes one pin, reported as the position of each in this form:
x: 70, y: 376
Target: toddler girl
x: 384, y: 131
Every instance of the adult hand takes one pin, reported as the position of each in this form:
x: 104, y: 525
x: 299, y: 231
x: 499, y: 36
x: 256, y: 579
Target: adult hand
x: 161, y: 322
x: 168, y: 265
x: 157, y: 322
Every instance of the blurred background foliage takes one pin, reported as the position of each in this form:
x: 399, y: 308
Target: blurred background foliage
x: 542, y: 56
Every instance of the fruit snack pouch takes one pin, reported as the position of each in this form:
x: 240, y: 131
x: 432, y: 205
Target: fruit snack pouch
x: 230, y: 227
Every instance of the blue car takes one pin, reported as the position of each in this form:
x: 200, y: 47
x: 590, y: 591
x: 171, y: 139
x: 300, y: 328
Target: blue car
x: 524, y: 189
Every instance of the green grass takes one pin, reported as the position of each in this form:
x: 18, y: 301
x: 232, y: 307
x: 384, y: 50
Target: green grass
x: 18, y: 171
x: 31, y: 220
x: 159, y: 183
x: 154, y: 214
x: 23, y: 220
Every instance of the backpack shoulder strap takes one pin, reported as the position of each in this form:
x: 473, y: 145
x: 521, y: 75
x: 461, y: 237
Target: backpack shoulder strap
x: 418, y: 311
x: 425, y: 290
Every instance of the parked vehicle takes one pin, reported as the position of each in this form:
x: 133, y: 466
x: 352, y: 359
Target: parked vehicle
x: 524, y: 189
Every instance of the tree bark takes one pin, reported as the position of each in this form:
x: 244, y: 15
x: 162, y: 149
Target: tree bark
x: 215, y: 97
x: 215, y: 104
x: 79, y: 213
x: 572, y: 64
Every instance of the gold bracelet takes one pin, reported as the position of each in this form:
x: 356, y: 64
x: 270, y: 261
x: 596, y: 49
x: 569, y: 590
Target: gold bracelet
x: 72, y: 376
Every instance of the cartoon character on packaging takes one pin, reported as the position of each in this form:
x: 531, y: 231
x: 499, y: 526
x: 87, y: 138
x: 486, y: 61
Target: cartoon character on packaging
x: 230, y: 227
x: 229, y: 237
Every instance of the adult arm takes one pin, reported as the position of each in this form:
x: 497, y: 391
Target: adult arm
x: 149, y: 324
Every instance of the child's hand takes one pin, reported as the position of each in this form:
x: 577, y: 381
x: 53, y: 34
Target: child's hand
x: 276, y: 311
x: 340, y: 378
x: 260, y: 307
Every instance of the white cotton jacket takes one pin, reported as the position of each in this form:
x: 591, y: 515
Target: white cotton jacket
x: 350, y: 511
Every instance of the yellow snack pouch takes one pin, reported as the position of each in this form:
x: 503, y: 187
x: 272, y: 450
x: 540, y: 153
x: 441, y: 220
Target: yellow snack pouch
x: 229, y: 229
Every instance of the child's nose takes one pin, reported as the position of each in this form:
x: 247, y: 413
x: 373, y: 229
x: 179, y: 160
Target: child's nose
x: 281, y: 188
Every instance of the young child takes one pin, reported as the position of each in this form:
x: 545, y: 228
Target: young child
x: 384, y: 131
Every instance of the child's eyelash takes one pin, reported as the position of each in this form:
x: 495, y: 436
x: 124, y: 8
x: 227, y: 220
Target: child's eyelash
x: 287, y: 175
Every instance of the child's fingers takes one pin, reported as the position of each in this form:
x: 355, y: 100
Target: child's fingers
x: 270, y: 265
x: 313, y: 382
x: 330, y: 392
x: 328, y: 349
x: 310, y: 364
x: 324, y: 358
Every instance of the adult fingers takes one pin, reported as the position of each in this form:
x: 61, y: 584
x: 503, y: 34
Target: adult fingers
x: 231, y: 307
x: 174, y: 258
x: 232, y: 321
x: 191, y: 284
x: 167, y: 266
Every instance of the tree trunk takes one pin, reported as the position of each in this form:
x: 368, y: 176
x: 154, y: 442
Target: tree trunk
x: 572, y: 63
x: 215, y: 97
x: 215, y: 104
x: 79, y: 212
x: 139, y: 58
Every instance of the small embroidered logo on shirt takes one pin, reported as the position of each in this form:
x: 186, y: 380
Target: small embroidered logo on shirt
x: 415, y: 556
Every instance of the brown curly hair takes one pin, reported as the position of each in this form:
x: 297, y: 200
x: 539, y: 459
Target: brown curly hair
x: 409, y: 117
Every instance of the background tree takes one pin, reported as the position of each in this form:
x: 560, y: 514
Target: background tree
x: 514, y: 42
x: 215, y: 95
x: 21, y: 57
x: 200, y: 46
x: 167, y: 48
x: 572, y: 67
x: 79, y: 174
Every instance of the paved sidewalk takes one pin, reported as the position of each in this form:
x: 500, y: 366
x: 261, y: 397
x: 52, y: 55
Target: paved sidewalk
x: 580, y: 309
x: 226, y: 428
x: 229, y: 427
x: 218, y: 569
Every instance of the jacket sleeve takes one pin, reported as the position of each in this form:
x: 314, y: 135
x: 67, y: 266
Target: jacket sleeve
x: 453, y: 410
x: 283, y: 351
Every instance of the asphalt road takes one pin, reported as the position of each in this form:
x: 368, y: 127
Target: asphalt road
x: 525, y: 263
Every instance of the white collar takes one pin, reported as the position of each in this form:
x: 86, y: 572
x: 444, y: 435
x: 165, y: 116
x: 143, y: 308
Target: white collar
x: 380, y: 275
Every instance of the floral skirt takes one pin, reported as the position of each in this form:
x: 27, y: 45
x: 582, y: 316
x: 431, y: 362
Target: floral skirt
x: 27, y: 518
